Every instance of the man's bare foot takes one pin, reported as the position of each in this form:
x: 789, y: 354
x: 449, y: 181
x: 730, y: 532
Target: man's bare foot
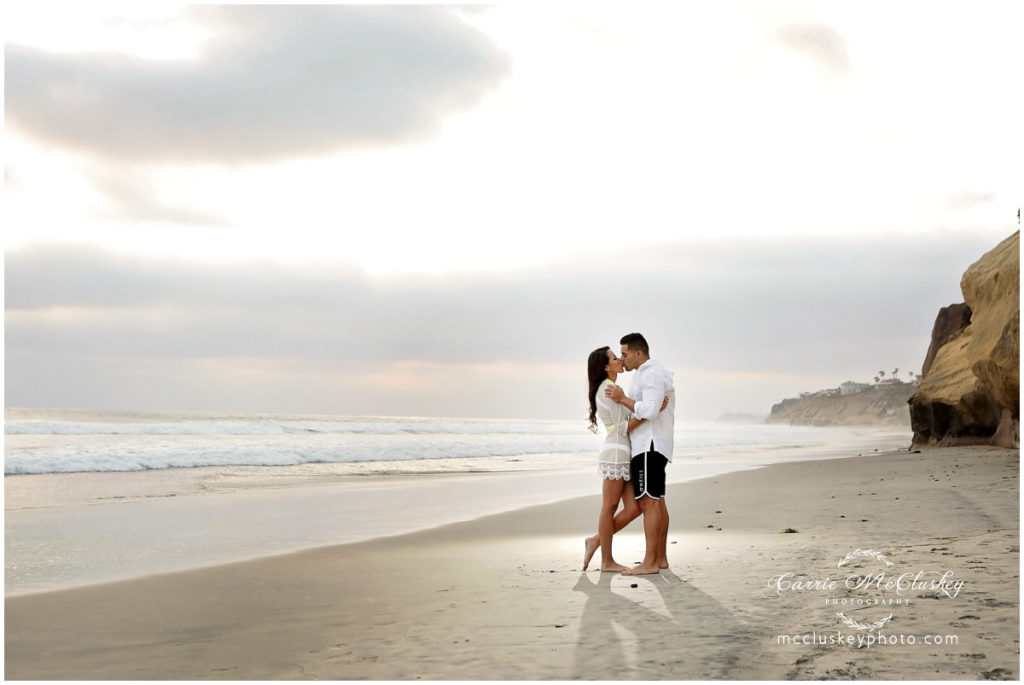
x: 590, y: 546
x: 613, y: 568
x: 642, y: 570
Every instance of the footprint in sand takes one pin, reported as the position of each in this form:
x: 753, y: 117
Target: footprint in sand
x: 998, y: 674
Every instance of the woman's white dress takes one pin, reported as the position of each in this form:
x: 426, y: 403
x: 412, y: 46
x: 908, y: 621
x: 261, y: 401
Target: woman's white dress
x: 613, y: 460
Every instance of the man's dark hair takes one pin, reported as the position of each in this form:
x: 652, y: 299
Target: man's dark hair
x: 635, y: 341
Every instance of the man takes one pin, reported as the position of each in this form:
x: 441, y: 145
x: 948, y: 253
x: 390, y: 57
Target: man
x: 651, y: 444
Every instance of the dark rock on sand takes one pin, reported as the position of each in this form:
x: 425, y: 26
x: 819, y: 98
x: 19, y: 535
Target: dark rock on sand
x: 950, y: 321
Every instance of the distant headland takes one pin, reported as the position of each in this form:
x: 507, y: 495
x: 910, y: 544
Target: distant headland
x: 882, y: 403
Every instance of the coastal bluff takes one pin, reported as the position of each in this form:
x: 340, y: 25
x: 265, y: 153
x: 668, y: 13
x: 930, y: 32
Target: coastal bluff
x: 970, y: 382
x: 882, y: 404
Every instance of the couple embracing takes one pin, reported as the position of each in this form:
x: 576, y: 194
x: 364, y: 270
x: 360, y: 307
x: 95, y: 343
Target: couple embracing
x: 638, y: 446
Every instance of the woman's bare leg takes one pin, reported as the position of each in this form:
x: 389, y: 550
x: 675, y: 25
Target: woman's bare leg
x: 590, y: 546
x: 623, y: 517
x: 630, y: 508
x: 611, y: 491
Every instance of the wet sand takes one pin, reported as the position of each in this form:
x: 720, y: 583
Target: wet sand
x: 502, y: 597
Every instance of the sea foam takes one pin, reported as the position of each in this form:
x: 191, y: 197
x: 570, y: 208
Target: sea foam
x: 55, y: 441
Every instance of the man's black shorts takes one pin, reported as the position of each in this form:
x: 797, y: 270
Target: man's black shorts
x: 647, y: 471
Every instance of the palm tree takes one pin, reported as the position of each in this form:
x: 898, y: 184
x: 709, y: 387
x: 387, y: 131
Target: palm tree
x: 881, y: 374
x: 877, y: 379
x: 896, y: 372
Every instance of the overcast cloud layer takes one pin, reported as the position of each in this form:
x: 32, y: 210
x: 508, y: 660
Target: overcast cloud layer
x: 234, y: 223
x: 363, y: 74
x: 740, y: 322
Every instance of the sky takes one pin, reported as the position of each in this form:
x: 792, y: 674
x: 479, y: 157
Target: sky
x: 441, y: 210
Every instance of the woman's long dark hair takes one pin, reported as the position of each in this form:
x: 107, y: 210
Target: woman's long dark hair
x: 596, y: 374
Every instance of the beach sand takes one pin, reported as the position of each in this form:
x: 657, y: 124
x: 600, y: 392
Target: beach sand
x: 502, y: 597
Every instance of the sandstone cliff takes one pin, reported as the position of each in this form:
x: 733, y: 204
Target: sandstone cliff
x: 970, y: 387
x: 884, y: 404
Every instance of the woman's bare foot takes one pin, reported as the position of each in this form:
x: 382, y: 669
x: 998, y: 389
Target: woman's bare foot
x: 662, y: 563
x: 590, y: 546
x: 642, y: 570
x: 613, y: 567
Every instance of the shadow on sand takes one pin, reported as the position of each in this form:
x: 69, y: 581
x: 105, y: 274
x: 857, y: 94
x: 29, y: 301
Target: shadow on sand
x: 678, y: 632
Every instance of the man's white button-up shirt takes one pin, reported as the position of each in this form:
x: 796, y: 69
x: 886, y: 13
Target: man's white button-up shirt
x: 651, y: 383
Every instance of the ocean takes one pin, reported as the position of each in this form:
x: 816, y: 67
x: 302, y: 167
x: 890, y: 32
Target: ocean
x: 41, y: 441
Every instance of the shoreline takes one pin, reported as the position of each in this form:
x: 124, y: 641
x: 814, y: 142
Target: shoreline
x: 502, y: 596
x: 78, y: 529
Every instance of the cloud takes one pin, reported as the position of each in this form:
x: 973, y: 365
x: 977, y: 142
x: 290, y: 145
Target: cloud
x: 134, y: 197
x: 822, y: 43
x: 793, y: 316
x: 276, y: 81
x: 970, y: 199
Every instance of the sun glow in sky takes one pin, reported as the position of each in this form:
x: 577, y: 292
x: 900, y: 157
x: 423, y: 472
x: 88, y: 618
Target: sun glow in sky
x: 493, y: 148
x: 610, y: 125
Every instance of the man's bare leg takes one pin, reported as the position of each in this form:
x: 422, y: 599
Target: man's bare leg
x: 663, y: 542
x: 623, y: 517
x: 652, y: 535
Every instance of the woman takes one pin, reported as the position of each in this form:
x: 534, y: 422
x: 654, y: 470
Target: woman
x: 603, y: 367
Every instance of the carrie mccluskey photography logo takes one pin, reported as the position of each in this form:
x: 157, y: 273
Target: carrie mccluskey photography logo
x: 883, y: 587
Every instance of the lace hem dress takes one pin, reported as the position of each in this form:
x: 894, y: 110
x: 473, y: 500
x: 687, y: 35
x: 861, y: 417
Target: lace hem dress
x: 613, y: 459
